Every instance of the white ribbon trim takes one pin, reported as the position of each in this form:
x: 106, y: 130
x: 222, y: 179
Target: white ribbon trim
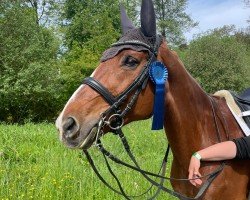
x: 241, y: 122
x: 244, y: 114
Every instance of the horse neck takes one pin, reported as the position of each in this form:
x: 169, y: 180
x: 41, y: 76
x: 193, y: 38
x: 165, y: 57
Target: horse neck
x: 186, y: 106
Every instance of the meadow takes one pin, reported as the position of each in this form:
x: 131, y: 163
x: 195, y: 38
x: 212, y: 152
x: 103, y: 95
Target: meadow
x: 35, y: 165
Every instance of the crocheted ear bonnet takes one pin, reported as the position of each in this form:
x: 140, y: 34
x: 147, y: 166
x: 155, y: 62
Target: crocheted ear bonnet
x: 131, y: 35
x: 146, y: 35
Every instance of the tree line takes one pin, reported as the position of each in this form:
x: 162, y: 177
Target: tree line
x: 48, y: 47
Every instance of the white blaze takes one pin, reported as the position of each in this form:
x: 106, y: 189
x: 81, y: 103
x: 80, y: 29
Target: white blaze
x: 72, y: 98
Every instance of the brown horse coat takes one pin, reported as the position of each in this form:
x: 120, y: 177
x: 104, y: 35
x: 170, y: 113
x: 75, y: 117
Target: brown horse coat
x: 190, y: 124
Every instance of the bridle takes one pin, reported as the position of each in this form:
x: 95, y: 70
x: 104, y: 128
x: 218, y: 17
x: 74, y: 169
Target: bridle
x: 138, y: 85
x: 114, y: 118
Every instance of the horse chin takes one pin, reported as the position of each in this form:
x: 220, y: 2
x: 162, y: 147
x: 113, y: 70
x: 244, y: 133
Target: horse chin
x: 89, y: 140
x: 83, y: 141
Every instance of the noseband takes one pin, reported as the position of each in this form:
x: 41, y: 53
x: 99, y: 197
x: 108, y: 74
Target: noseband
x: 114, y: 118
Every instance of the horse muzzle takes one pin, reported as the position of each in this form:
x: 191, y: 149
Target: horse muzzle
x: 74, y: 137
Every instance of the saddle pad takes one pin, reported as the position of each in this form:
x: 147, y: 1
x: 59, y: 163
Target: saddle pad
x: 235, y: 110
x: 244, y: 105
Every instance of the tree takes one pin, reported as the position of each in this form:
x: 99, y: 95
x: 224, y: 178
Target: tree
x: 85, y: 19
x: 46, y: 11
x: 247, y: 2
x: 172, y: 19
x: 218, y: 60
x: 89, y: 28
x: 29, y: 79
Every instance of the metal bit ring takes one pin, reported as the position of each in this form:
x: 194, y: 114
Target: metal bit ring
x: 115, y: 118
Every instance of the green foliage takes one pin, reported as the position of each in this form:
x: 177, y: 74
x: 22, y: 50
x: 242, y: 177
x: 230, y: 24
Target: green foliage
x: 33, y: 93
x: 35, y: 165
x: 173, y: 21
x: 41, y: 67
x: 86, y: 19
x: 218, y: 61
x: 82, y: 59
x: 243, y: 36
x: 29, y: 82
x: 87, y: 39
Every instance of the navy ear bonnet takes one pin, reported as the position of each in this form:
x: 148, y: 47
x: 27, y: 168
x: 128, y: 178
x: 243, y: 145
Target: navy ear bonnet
x: 131, y: 35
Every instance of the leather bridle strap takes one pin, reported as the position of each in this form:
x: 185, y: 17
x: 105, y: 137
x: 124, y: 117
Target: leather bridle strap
x: 98, y: 87
x: 140, y: 81
x: 146, y: 174
x: 115, y: 102
x: 121, y: 192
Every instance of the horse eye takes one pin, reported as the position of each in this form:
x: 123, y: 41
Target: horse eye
x: 130, y: 61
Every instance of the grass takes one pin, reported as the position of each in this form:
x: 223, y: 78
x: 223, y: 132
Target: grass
x: 35, y: 165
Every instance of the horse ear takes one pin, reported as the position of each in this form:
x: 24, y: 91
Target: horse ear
x: 148, y: 20
x: 125, y: 21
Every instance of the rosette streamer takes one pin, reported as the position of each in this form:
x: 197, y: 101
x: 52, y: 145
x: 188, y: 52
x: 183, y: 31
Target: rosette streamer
x: 158, y: 74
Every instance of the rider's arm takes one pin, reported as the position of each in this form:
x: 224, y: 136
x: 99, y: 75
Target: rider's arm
x: 221, y: 151
x: 243, y: 147
x: 238, y: 148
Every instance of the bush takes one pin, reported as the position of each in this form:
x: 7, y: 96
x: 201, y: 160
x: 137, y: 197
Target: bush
x: 30, y: 86
x: 218, y: 61
x: 32, y: 94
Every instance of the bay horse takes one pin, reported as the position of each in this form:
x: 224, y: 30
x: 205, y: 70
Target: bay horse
x: 192, y: 118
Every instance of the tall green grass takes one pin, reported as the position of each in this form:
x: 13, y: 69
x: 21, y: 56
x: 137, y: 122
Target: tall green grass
x: 35, y: 165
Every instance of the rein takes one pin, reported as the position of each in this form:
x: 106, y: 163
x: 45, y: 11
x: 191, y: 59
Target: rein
x: 113, y: 117
x: 146, y: 174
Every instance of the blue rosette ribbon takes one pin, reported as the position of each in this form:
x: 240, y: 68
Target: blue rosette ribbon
x: 158, y: 74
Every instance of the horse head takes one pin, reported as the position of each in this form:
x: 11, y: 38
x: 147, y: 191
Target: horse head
x: 109, y: 90
x: 119, y: 91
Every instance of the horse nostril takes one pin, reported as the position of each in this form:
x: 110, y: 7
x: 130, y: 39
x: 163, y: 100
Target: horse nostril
x: 70, y: 128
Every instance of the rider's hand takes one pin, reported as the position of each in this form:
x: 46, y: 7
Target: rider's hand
x: 193, y: 170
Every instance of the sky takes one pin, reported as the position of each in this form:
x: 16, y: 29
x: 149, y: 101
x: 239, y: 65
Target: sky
x: 215, y: 13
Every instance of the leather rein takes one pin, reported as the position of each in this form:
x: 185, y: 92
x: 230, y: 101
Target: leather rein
x: 114, y: 118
